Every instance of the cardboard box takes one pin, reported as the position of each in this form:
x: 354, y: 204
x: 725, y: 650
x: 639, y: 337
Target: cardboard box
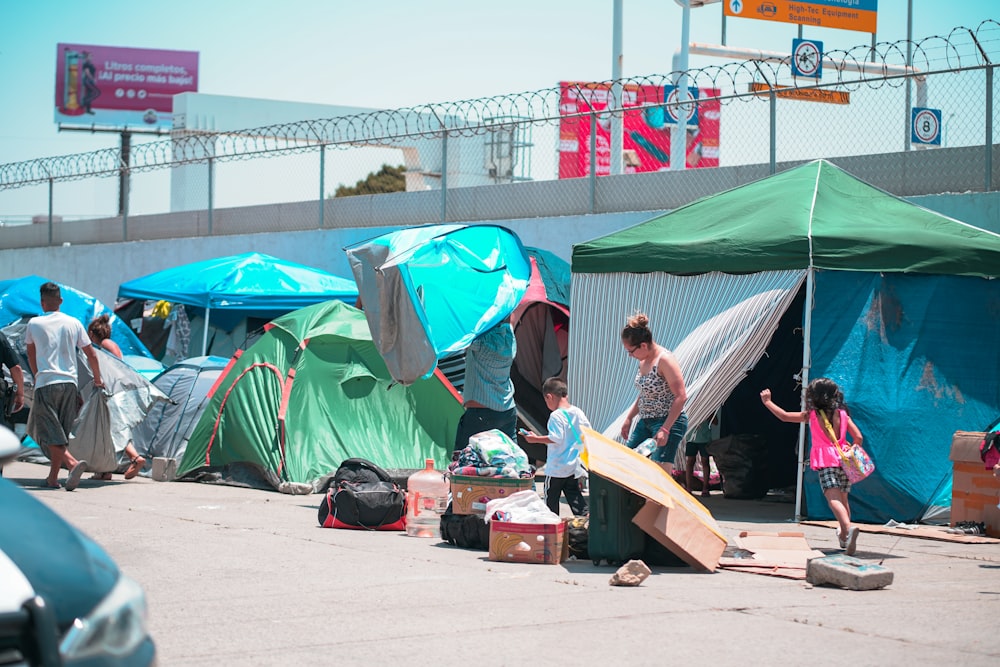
x: 469, y: 495
x: 683, y: 534
x: 975, y: 492
x: 527, y: 542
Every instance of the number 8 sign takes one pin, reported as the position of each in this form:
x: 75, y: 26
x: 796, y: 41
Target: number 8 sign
x: 925, y: 126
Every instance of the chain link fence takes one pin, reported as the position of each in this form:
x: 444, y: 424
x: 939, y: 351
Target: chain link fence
x: 499, y: 158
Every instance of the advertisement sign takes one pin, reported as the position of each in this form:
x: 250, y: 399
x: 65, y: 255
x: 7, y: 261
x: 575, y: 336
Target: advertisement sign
x: 646, y: 133
x: 108, y: 85
x: 860, y: 15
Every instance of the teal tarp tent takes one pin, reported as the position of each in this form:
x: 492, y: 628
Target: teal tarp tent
x: 832, y: 277
x: 226, y: 290
x: 313, y: 391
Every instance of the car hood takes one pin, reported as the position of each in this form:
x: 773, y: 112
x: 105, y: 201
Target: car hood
x: 62, y: 564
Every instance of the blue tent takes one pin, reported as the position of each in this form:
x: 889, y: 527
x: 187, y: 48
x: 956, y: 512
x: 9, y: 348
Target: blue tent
x: 227, y: 290
x: 429, y: 291
x: 19, y: 298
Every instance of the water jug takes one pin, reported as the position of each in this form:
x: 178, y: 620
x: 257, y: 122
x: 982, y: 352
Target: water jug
x: 426, y: 500
x: 646, y: 447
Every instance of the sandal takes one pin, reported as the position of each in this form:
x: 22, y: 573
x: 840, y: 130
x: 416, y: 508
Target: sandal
x: 136, y: 465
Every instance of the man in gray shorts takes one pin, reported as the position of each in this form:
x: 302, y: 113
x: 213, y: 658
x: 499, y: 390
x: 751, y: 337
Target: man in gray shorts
x: 52, y: 340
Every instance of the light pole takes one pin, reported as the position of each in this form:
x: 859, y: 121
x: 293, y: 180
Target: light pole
x: 678, y: 133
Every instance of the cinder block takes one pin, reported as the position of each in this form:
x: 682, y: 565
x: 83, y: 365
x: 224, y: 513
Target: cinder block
x: 164, y: 469
x: 847, y: 572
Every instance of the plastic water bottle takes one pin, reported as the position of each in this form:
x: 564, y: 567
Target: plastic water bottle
x: 646, y: 447
x: 426, y: 500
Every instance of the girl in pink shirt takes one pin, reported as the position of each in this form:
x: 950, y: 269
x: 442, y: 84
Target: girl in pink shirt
x: 829, y: 424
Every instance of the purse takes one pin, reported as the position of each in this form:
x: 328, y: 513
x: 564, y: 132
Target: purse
x: 854, y: 460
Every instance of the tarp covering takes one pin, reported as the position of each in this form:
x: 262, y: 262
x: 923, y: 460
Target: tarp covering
x: 313, y: 391
x: 167, y: 428
x: 104, y: 425
x: 917, y: 358
x: 717, y: 324
x: 429, y: 291
x: 240, y: 286
x: 815, y: 211
x: 19, y: 298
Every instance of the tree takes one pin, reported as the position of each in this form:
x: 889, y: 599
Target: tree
x: 386, y: 179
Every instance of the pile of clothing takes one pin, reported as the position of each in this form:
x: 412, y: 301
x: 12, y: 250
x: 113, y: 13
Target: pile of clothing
x: 492, y: 454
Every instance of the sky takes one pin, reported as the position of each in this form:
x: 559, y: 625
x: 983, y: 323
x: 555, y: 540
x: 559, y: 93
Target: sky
x: 386, y: 54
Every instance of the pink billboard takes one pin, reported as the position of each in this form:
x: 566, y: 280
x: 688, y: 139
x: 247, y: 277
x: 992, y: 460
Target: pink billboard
x: 646, y: 133
x: 121, y: 87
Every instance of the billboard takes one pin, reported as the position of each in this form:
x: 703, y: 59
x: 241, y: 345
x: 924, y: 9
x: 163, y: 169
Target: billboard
x: 860, y: 15
x: 646, y: 133
x: 121, y: 87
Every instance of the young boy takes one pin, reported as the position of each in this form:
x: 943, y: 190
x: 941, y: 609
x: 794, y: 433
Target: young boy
x: 563, y: 468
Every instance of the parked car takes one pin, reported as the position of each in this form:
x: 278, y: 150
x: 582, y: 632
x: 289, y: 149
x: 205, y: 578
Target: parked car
x: 63, y: 601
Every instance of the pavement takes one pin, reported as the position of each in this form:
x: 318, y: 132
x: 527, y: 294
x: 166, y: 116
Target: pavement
x: 243, y: 576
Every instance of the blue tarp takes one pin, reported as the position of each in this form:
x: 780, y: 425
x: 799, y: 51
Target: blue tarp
x: 429, y: 291
x: 913, y: 356
x: 19, y: 298
x: 240, y: 286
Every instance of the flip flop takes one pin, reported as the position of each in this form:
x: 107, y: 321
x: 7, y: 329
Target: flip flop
x: 136, y: 465
x: 73, y: 480
x: 46, y: 485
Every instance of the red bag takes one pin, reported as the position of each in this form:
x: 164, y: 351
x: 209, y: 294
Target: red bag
x: 989, y: 449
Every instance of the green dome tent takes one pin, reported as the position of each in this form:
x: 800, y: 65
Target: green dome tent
x: 311, y: 392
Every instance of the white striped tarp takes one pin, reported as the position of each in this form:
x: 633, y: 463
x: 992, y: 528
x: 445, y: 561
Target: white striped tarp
x: 717, y: 324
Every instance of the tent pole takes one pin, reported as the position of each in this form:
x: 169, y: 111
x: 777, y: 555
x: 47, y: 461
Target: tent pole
x: 806, y: 365
x: 204, y: 335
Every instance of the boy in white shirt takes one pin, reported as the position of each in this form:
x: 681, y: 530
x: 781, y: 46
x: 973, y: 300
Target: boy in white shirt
x: 563, y: 468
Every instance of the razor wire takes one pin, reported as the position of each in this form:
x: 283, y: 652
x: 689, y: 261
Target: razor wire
x: 884, y: 64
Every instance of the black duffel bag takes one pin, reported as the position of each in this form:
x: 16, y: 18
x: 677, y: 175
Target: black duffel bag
x: 468, y: 531
x: 364, y: 506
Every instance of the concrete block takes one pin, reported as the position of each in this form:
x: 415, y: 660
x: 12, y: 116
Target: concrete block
x: 631, y: 573
x: 847, y: 572
x: 164, y: 469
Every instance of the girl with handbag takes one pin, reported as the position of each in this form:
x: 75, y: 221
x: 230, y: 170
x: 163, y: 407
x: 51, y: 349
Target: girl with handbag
x: 829, y: 424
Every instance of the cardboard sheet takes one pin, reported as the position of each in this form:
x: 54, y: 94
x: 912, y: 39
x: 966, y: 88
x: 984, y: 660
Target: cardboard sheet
x: 671, y: 515
x: 783, y: 554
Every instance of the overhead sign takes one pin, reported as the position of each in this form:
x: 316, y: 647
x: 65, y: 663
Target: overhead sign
x: 121, y: 87
x: 803, y: 94
x: 925, y: 127
x: 860, y: 15
x: 647, y: 128
x: 807, y: 58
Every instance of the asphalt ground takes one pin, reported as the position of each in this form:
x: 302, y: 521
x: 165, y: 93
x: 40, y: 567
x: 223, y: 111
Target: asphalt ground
x: 237, y: 576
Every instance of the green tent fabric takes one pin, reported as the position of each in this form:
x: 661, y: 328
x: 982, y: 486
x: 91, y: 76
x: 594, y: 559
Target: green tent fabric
x: 850, y: 225
x: 313, y: 391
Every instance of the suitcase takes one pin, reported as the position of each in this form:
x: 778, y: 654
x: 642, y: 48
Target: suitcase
x: 611, y: 534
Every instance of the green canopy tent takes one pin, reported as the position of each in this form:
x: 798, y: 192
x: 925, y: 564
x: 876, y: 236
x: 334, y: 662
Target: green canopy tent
x: 311, y: 392
x: 829, y: 275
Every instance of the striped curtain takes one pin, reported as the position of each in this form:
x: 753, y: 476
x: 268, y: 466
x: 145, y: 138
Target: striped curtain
x: 717, y: 324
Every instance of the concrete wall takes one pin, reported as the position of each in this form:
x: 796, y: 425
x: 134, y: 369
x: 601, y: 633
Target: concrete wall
x: 554, y: 215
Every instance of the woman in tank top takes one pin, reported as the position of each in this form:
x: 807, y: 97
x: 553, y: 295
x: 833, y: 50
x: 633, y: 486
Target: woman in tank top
x: 658, y: 411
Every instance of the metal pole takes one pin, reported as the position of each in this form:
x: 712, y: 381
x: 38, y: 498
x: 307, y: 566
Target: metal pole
x: 774, y: 128
x: 211, y: 192
x: 678, y: 132
x: 615, y: 103
x: 444, y: 175
x: 593, y: 161
x: 51, y: 185
x: 989, y: 128
x: 124, y: 159
x: 909, y: 79
x: 125, y: 184
x: 806, y: 366
x: 322, y: 183
x: 204, y: 335
x: 723, y: 28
